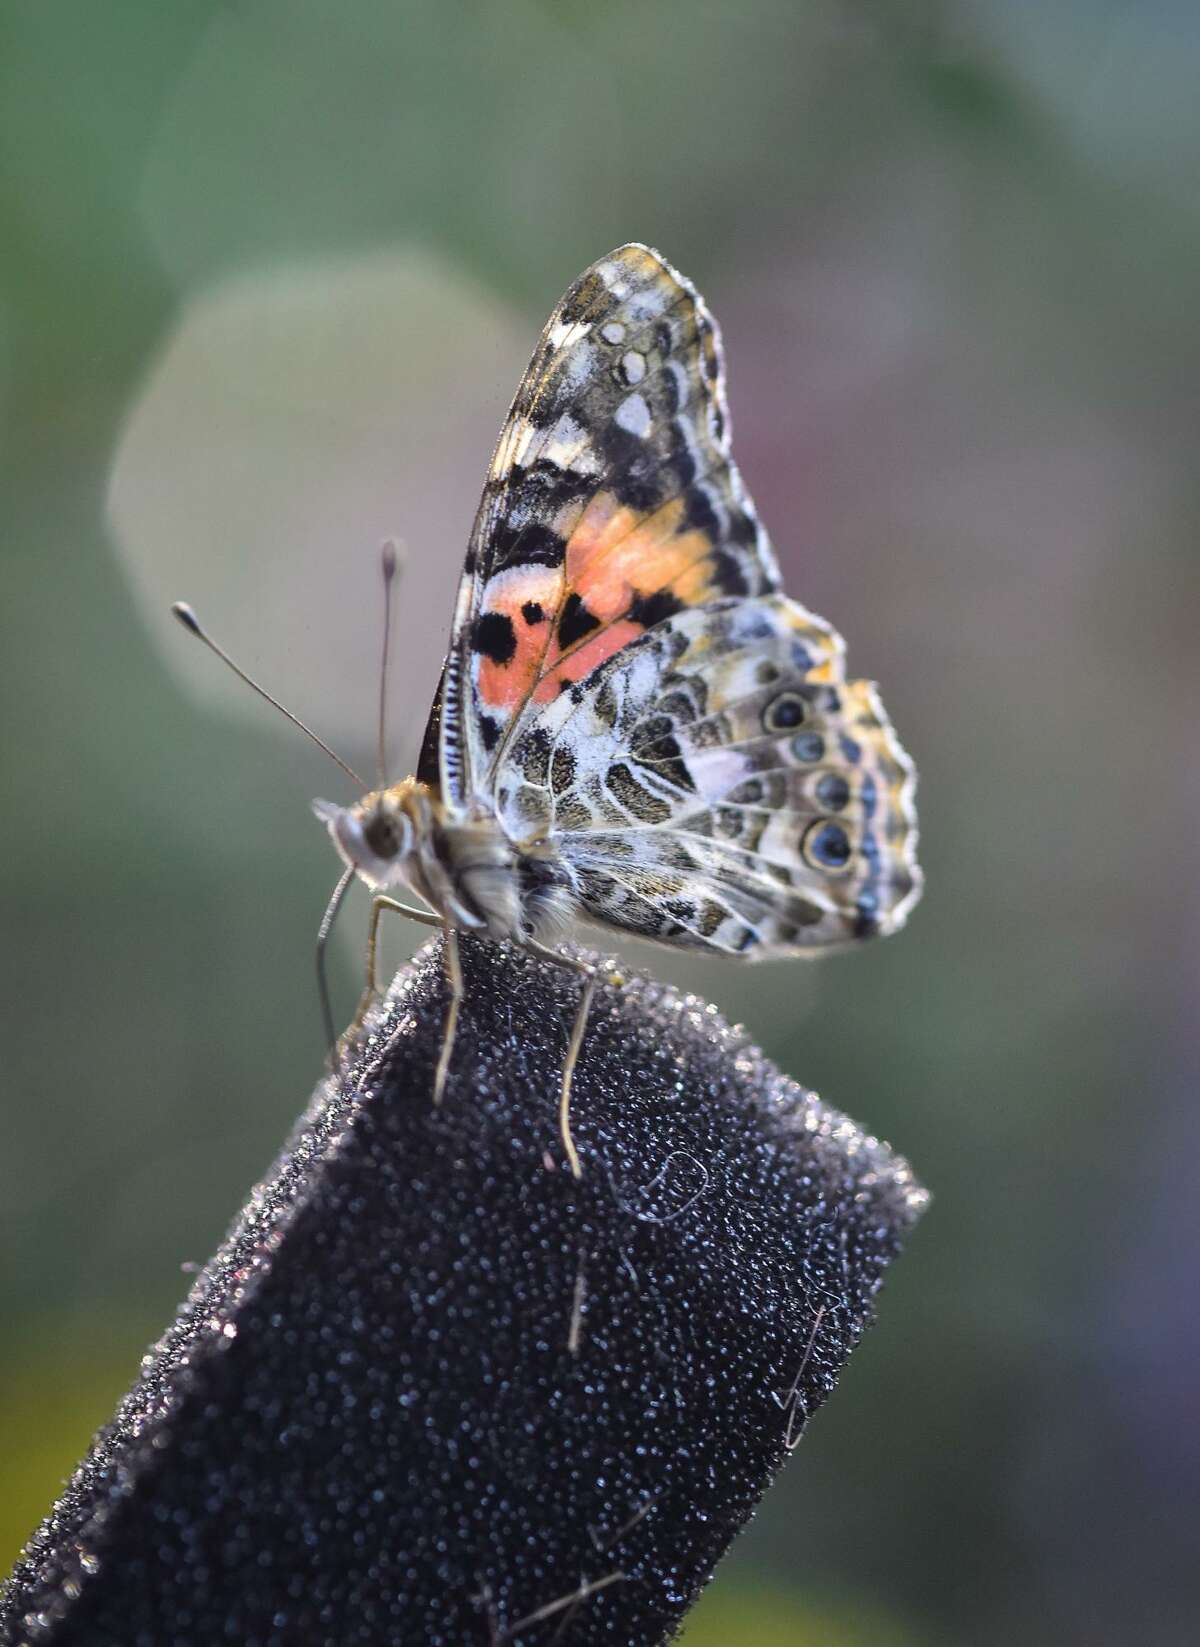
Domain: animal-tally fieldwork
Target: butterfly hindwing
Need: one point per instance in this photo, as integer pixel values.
(612, 502)
(720, 783)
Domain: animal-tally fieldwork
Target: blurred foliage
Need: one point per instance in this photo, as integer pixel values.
(70, 1373)
(955, 251)
(727, 1614)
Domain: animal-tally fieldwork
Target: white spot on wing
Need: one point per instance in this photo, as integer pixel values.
(613, 332)
(580, 364)
(634, 366)
(563, 442)
(633, 415)
(613, 276)
(564, 332)
(716, 771)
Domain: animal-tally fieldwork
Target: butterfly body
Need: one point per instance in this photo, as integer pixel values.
(465, 867)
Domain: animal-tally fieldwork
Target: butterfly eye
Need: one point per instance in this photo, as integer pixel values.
(826, 845)
(382, 835)
(785, 713)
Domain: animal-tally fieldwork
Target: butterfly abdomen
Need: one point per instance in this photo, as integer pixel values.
(549, 899)
(472, 870)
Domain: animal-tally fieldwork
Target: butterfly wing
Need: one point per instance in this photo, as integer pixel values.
(612, 502)
(719, 783)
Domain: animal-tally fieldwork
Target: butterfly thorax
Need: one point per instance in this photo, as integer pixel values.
(464, 867)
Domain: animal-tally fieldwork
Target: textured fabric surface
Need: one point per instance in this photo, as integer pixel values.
(432, 1390)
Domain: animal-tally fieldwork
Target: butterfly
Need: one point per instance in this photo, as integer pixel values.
(634, 724)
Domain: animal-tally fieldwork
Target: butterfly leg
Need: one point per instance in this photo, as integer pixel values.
(455, 978)
(379, 904)
(578, 1030)
(426, 917)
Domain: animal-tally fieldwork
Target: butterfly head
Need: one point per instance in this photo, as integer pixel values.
(376, 835)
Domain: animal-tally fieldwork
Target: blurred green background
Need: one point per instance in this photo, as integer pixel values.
(268, 272)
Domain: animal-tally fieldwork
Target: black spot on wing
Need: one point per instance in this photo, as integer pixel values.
(685, 705)
(708, 349)
(833, 792)
(742, 529)
(572, 813)
(749, 793)
(699, 514)
(604, 704)
(494, 637)
(532, 545)
(647, 733)
(575, 621)
(562, 769)
(682, 459)
(651, 609)
(728, 574)
(532, 612)
(638, 802)
(654, 745)
(532, 755)
(489, 731)
(542, 480)
(826, 845)
(634, 468)
(680, 909)
(783, 712)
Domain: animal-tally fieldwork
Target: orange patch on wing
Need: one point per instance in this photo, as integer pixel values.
(580, 663)
(507, 685)
(502, 686)
(615, 553)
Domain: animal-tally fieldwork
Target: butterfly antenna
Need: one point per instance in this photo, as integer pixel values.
(389, 560)
(191, 622)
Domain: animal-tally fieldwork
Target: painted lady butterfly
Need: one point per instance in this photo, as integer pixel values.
(634, 724)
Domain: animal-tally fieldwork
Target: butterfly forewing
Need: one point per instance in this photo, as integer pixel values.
(612, 501)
